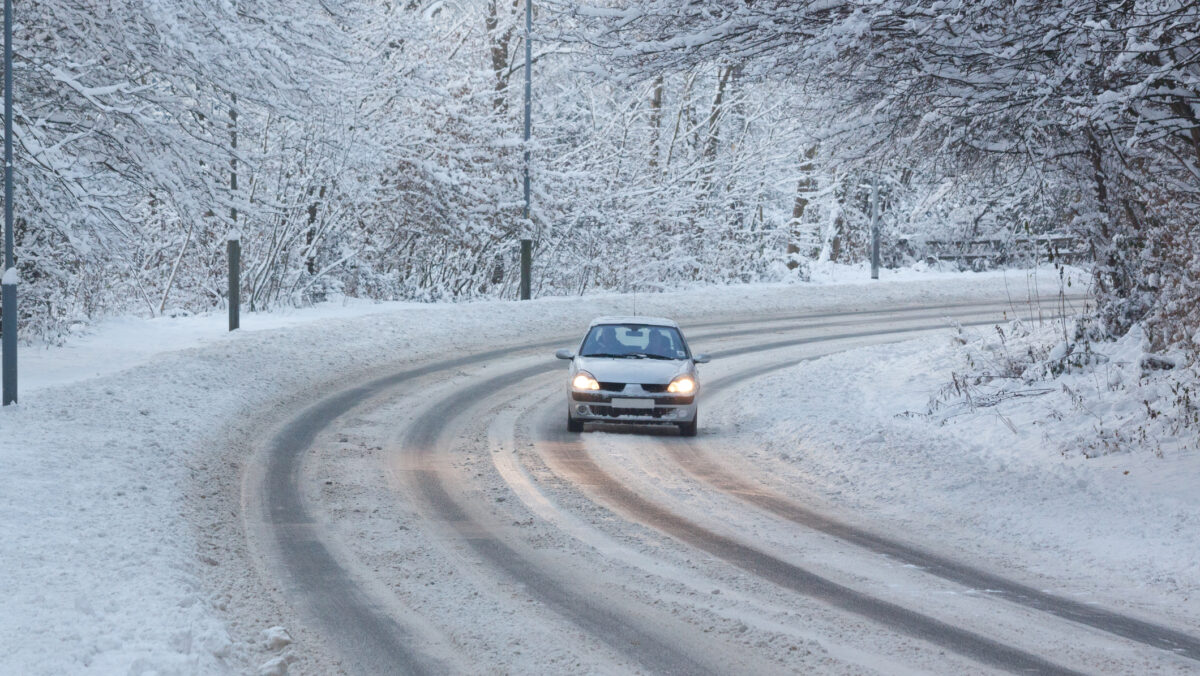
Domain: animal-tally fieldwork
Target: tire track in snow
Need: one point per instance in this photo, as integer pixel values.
(630, 635)
(566, 453)
(323, 590)
(704, 468)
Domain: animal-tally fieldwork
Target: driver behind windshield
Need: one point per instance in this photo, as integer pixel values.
(606, 341)
(660, 344)
(603, 341)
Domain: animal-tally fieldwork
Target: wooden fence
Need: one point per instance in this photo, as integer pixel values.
(989, 252)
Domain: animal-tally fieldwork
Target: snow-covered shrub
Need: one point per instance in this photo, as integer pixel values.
(1115, 395)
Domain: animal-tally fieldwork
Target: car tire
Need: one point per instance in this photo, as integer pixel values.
(574, 425)
(688, 429)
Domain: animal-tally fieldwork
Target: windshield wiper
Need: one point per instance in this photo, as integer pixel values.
(606, 355)
(648, 355)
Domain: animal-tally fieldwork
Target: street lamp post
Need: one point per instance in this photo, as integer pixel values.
(528, 92)
(875, 227)
(526, 241)
(8, 284)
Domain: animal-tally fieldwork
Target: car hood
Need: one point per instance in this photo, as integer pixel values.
(647, 371)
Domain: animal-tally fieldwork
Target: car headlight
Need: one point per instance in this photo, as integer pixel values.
(682, 385)
(584, 381)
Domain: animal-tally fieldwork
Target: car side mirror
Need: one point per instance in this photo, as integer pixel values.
(701, 358)
(564, 354)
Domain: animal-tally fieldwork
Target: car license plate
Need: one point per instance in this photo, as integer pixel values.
(647, 404)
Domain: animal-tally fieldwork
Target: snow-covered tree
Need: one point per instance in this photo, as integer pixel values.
(1082, 113)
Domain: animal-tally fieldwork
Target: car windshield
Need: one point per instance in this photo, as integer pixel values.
(632, 341)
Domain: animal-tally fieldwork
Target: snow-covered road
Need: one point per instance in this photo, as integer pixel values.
(365, 488)
(440, 519)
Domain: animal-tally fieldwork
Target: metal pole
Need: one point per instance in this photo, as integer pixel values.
(8, 295)
(234, 250)
(528, 95)
(526, 243)
(526, 264)
(875, 228)
(233, 215)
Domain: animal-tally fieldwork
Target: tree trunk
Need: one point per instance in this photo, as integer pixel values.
(500, 41)
(656, 103)
(805, 185)
(310, 262)
(714, 115)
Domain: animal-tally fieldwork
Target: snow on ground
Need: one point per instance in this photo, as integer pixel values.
(108, 550)
(1021, 468)
(117, 344)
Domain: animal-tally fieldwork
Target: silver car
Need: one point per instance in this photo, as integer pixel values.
(633, 370)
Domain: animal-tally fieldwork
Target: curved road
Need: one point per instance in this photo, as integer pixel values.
(441, 519)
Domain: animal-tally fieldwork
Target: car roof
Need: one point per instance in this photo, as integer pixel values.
(641, 321)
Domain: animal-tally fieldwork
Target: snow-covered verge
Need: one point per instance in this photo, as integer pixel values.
(117, 555)
(1084, 471)
(1089, 397)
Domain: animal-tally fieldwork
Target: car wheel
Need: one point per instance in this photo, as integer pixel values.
(574, 425)
(688, 429)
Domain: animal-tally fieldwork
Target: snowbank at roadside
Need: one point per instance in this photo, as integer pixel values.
(1090, 398)
(120, 343)
(106, 547)
(889, 436)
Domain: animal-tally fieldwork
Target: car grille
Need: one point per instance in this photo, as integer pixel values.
(620, 387)
(640, 412)
(602, 398)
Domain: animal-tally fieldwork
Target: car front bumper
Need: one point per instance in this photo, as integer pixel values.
(638, 408)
